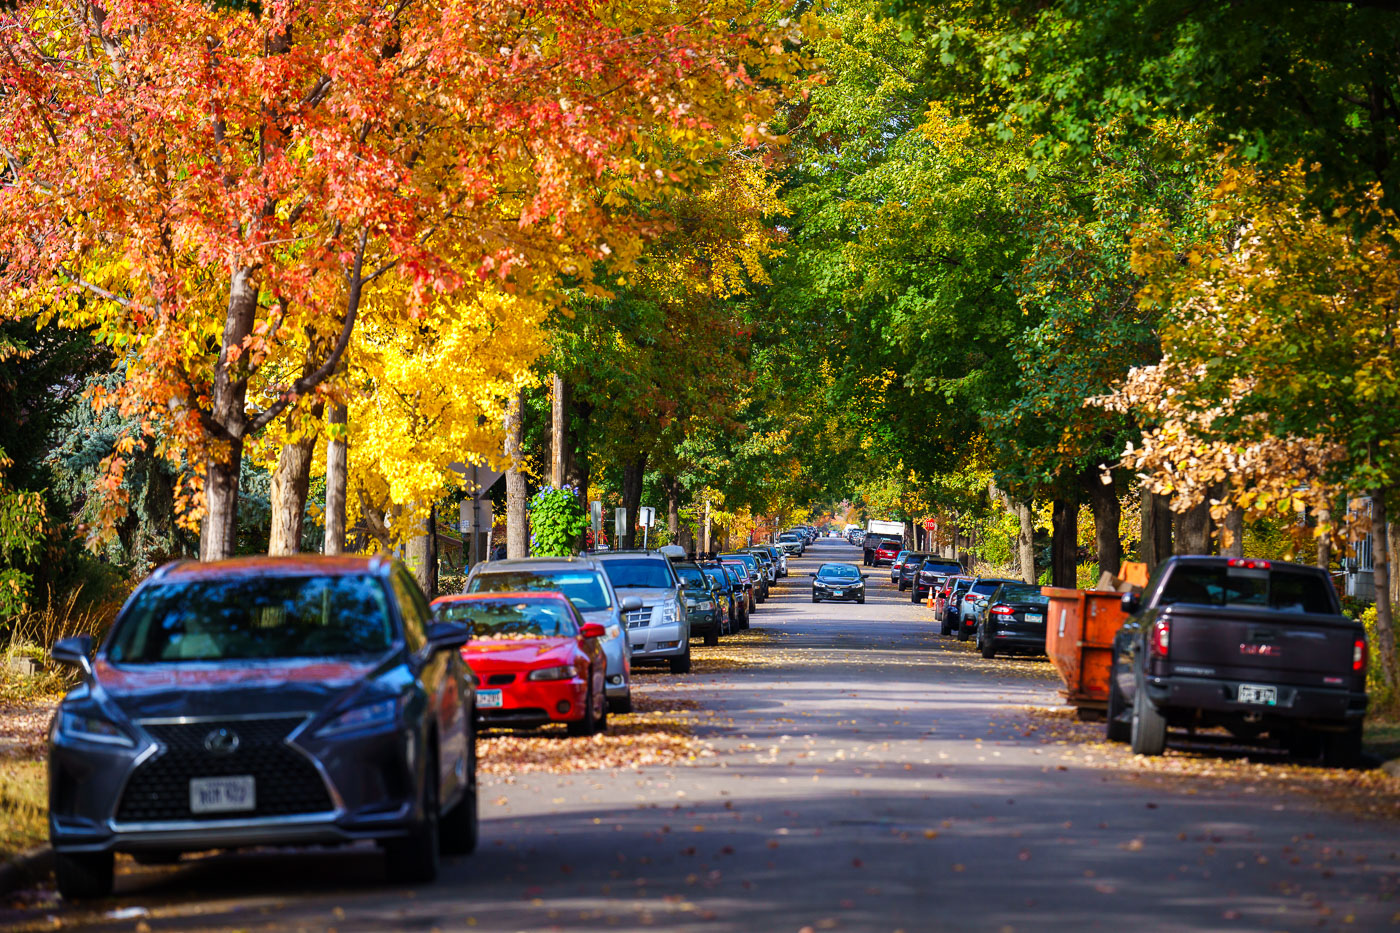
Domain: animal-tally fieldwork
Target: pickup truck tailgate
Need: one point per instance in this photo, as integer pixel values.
(1296, 649)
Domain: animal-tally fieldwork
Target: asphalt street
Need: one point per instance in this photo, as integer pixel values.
(868, 775)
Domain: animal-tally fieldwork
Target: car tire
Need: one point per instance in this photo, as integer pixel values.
(914, 597)
(1117, 729)
(815, 600)
(622, 705)
(987, 646)
(1148, 735)
(712, 638)
(861, 601)
(962, 631)
(681, 665)
(461, 826)
(83, 875)
(943, 628)
(588, 725)
(1342, 749)
(414, 858)
(902, 587)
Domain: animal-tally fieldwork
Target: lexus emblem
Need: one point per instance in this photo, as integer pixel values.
(221, 741)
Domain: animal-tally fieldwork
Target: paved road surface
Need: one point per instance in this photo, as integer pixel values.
(877, 780)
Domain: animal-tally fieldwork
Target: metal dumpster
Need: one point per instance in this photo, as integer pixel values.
(1079, 630)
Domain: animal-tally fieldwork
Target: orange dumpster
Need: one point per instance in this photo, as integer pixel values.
(1079, 630)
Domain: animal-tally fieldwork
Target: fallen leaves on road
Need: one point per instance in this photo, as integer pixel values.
(1219, 763)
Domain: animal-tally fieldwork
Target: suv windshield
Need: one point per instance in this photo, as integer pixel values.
(649, 573)
(1215, 585)
(511, 619)
(250, 618)
(583, 587)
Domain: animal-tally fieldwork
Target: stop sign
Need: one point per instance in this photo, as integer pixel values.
(930, 524)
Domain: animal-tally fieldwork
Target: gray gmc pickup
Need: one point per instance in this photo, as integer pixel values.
(1258, 647)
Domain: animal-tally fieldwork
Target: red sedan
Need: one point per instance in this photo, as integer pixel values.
(535, 659)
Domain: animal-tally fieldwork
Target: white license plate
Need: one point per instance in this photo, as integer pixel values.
(489, 699)
(1035, 617)
(1254, 693)
(222, 794)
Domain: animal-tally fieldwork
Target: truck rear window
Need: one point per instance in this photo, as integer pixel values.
(1281, 589)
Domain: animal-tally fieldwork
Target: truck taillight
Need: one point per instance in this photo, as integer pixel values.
(1358, 655)
(1161, 637)
(1248, 563)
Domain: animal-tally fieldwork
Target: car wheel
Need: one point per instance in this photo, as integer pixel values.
(962, 631)
(1149, 729)
(861, 601)
(622, 705)
(989, 647)
(681, 665)
(83, 875)
(461, 826)
(414, 858)
(589, 723)
(712, 638)
(914, 597)
(943, 628)
(1342, 749)
(902, 587)
(815, 600)
(1118, 728)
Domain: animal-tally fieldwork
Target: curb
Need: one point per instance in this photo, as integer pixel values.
(27, 868)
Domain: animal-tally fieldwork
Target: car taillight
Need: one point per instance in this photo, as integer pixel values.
(1358, 655)
(1002, 610)
(1248, 563)
(1161, 637)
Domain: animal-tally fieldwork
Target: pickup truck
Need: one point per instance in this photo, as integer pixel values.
(1255, 646)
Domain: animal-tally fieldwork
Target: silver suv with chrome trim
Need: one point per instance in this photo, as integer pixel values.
(660, 629)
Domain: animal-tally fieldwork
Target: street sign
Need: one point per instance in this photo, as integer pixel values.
(646, 517)
(930, 524)
(619, 525)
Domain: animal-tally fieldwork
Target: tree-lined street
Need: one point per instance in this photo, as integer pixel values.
(866, 775)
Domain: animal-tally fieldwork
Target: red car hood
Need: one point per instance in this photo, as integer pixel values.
(501, 653)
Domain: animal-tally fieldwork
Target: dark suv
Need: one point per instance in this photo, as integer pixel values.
(262, 702)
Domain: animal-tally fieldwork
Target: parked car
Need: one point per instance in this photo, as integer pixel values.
(1012, 620)
(756, 574)
(838, 581)
(731, 594)
(946, 598)
(932, 572)
(582, 580)
(660, 629)
(702, 603)
(742, 576)
(909, 571)
(765, 562)
(896, 565)
(1255, 646)
(792, 542)
(885, 552)
(967, 605)
(264, 702)
(780, 558)
(536, 660)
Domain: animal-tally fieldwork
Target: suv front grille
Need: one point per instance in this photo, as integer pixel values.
(285, 782)
(639, 618)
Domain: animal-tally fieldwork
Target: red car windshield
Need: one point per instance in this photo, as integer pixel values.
(512, 618)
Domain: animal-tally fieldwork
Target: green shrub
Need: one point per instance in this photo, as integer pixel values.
(1383, 697)
(557, 521)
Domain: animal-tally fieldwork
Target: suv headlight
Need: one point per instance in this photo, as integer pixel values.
(666, 613)
(704, 605)
(94, 729)
(371, 716)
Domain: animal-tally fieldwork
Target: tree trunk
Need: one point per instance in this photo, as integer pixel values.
(559, 440)
(290, 481)
(1064, 543)
(1025, 541)
(705, 532)
(517, 529)
(576, 472)
(218, 534)
(1324, 542)
(632, 475)
(422, 556)
(1234, 529)
(673, 507)
(1155, 544)
(1380, 561)
(337, 470)
(1108, 515)
(1193, 529)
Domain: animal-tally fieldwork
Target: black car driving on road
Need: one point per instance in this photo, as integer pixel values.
(843, 582)
(265, 702)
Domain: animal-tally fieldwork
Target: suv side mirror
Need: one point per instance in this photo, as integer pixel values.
(73, 651)
(1131, 603)
(631, 604)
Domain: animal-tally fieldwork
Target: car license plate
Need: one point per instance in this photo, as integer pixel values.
(222, 794)
(838, 592)
(489, 699)
(1254, 693)
(1035, 617)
